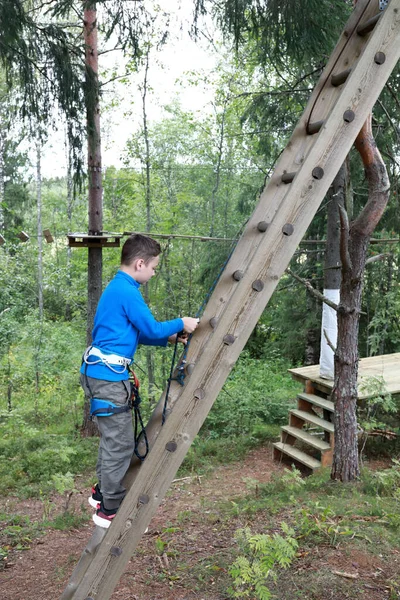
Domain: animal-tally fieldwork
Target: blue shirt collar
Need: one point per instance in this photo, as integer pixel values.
(128, 278)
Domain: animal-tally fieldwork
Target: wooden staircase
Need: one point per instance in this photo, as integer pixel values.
(309, 437)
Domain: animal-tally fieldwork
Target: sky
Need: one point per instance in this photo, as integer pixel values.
(167, 80)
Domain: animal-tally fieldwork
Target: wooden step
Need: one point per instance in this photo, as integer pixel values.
(302, 457)
(310, 418)
(318, 401)
(311, 440)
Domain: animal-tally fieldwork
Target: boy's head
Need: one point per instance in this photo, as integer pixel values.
(140, 256)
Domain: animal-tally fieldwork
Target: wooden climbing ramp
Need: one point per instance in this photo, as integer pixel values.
(358, 68)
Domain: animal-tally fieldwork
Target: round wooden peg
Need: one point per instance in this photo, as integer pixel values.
(380, 58)
(199, 394)
(287, 229)
(257, 285)
(171, 446)
(262, 226)
(238, 275)
(229, 339)
(116, 551)
(189, 368)
(349, 116)
(144, 499)
(213, 322)
(317, 173)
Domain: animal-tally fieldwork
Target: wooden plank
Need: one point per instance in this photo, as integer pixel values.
(307, 438)
(386, 367)
(318, 401)
(313, 419)
(235, 307)
(302, 457)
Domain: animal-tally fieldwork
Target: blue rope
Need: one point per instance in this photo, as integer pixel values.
(180, 376)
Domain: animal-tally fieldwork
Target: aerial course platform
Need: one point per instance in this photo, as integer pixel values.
(362, 61)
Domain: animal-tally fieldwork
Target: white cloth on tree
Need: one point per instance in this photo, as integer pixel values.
(329, 325)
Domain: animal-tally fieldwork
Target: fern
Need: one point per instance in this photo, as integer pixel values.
(262, 555)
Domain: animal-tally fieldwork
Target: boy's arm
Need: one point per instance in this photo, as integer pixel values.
(151, 342)
(151, 331)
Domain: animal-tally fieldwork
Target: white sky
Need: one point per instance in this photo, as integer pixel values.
(167, 67)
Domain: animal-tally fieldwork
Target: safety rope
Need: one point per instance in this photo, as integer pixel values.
(180, 368)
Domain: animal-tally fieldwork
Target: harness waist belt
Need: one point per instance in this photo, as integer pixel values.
(111, 359)
(106, 408)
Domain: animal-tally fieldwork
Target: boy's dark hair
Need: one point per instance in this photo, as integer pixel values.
(139, 246)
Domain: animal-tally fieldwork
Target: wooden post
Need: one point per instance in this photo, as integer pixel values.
(235, 306)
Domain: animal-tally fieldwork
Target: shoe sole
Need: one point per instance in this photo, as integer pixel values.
(104, 523)
(94, 503)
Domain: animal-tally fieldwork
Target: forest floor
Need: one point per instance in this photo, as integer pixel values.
(190, 544)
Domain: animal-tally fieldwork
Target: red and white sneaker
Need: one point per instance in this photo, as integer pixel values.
(96, 496)
(103, 517)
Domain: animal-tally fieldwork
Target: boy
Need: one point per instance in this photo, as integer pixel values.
(122, 321)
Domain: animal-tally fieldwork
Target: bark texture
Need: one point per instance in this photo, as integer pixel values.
(94, 163)
(353, 250)
(95, 199)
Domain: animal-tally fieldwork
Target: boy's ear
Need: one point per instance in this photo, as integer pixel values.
(138, 264)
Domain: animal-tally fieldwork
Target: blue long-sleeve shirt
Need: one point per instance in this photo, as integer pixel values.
(122, 321)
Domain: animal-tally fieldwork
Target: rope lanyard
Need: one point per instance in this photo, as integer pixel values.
(136, 401)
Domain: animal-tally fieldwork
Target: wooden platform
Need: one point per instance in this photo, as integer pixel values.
(385, 367)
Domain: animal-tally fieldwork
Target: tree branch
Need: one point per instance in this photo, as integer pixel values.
(344, 239)
(378, 181)
(312, 290)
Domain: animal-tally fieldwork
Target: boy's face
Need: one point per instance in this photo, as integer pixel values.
(145, 271)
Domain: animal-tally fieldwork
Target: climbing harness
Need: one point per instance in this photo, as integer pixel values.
(109, 360)
(106, 408)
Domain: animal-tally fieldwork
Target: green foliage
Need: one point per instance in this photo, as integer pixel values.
(385, 482)
(261, 556)
(257, 392)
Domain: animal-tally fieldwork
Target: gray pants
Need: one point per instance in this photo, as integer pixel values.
(117, 440)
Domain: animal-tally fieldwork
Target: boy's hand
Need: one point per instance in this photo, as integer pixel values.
(182, 337)
(190, 324)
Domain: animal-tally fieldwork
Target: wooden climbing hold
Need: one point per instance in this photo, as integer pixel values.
(199, 394)
(171, 446)
(318, 173)
(315, 127)
(189, 368)
(238, 275)
(287, 229)
(262, 226)
(288, 177)
(257, 285)
(340, 78)
(229, 339)
(213, 322)
(144, 499)
(349, 116)
(380, 58)
(368, 26)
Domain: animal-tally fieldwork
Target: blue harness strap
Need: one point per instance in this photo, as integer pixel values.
(105, 408)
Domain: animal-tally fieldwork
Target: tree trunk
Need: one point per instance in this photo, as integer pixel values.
(70, 198)
(353, 248)
(94, 163)
(332, 274)
(2, 181)
(39, 227)
(149, 351)
(95, 199)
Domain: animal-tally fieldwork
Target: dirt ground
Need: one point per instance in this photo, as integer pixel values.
(182, 557)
